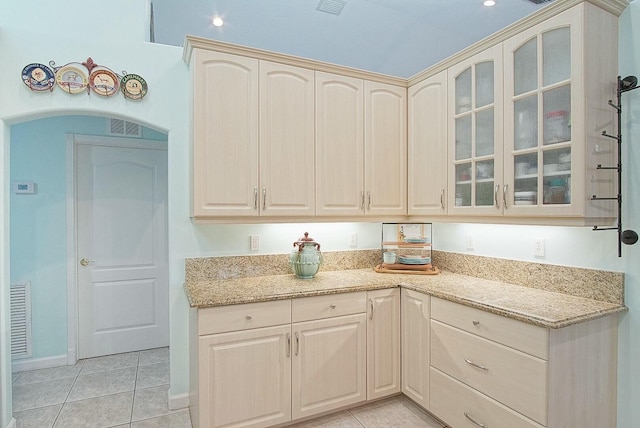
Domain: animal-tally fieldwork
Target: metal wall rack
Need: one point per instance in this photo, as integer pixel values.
(628, 237)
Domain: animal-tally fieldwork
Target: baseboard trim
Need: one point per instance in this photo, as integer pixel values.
(177, 402)
(38, 363)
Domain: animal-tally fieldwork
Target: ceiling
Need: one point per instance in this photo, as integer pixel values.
(394, 37)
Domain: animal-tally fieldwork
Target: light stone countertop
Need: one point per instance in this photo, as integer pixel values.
(534, 306)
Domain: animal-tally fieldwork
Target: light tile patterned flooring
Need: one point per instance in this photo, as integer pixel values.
(130, 391)
(394, 412)
(124, 391)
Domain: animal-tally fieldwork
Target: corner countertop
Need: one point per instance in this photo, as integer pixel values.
(534, 306)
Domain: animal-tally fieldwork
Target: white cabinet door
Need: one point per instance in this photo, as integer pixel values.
(475, 135)
(415, 346)
(360, 147)
(329, 364)
(245, 378)
(225, 135)
(385, 136)
(383, 343)
(559, 76)
(287, 137)
(427, 146)
(339, 145)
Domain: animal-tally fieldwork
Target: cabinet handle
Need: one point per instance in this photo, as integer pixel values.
(297, 343)
(362, 200)
(504, 195)
(248, 317)
(475, 322)
(478, 366)
(264, 198)
(288, 344)
(495, 196)
(442, 198)
(255, 198)
(368, 200)
(474, 421)
(371, 306)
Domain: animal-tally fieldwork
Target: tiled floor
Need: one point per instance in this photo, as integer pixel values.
(130, 391)
(394, 412)
(124, 391)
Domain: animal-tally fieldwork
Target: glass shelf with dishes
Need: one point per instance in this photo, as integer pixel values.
(406, 246)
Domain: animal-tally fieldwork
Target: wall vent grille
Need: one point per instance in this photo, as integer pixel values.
(20, 302)
(333, 7)
(123, 128)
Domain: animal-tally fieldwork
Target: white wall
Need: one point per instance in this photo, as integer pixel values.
(30, 33)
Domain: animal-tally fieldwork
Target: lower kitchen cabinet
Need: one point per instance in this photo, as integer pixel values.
(415, 346)
(383, 343)
(488, 370)
(271, 363)
(249, 375)
(329, 364)
(263, 364)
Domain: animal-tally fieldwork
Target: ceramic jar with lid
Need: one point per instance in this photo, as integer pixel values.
(305, 257)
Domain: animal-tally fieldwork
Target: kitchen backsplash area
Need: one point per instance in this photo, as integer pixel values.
(593, 284)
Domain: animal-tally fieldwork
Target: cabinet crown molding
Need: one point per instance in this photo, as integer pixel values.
(195, 42)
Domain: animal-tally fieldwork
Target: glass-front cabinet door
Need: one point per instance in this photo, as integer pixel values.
(542, 118)
(475, 134)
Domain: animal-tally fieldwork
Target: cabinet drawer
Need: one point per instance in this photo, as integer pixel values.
(516, 334)
(457, 404)
(513, 378)
(243, 317)
(332, 305)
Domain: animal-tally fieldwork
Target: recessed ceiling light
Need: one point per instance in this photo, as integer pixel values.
(489, 3)
(217, 21)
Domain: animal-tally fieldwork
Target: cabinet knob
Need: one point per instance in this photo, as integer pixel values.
(475, 322)
(248, 317)
(332, 306)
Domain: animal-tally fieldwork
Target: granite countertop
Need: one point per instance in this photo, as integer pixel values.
(534, 306)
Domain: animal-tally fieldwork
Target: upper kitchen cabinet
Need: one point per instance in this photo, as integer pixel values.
(339, 145)
(360, 147)
(475, 134)
(427, 146)
(225, 135)
(558, 77)
(385, 150)
(287, 137)
(253, 137)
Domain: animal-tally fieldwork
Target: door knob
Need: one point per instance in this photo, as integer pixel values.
(85, 262)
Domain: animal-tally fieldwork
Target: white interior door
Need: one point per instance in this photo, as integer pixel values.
(122, 274)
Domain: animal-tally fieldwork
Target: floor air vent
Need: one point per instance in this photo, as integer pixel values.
(20, 302)
(333, 7)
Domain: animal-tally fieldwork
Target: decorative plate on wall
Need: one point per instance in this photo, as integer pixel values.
(103, 81)
(133, 86)
(72, 78)
(38, 77)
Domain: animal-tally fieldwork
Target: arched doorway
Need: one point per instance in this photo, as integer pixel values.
(42, 223)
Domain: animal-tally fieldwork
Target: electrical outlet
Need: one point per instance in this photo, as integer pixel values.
(538, 247)
(471, 243)
(255, 242)
(353, 240)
